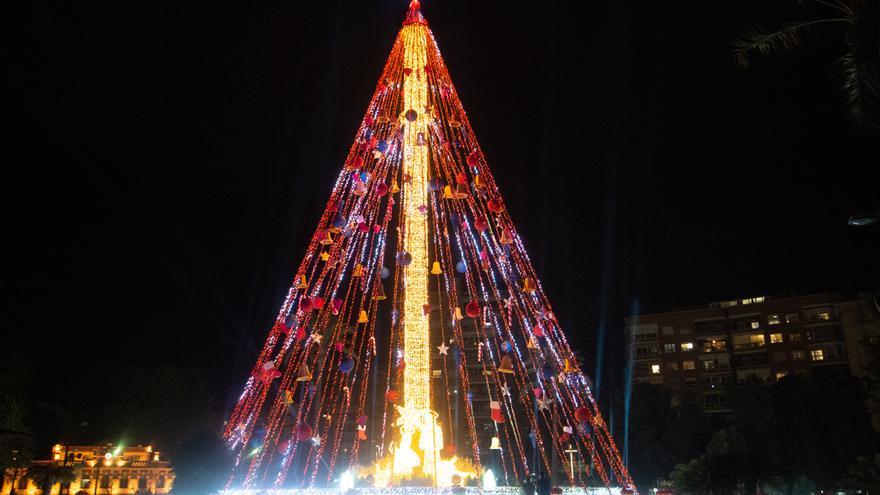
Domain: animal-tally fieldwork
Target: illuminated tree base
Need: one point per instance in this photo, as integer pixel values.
(414, 490)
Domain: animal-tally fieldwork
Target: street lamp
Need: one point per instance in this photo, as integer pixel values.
(863, 219)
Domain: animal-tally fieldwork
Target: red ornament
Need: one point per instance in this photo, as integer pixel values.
(495, 206)
(368, 120)
(480, 223)
(392, 396)
(381, 189)
(283, 446)
(472, 309)
(300, 334)
(411, 115)
(363, 227)
(303, 432)
(362, 420)
(317, 302)
(473, 159)
(426, 309)
(582, 414)
(407, 71)
(461, 178)
(305, 304)
(337, 305)
(376, 228)
(357, 162)
(449, 449)
(538, 330)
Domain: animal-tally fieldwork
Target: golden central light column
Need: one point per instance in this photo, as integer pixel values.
(416, 413)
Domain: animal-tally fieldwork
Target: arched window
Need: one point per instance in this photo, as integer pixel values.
(160, 483)
(142, 483)
(105, 481)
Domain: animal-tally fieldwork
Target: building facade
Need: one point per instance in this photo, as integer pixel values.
(703, 349)
(100, 470)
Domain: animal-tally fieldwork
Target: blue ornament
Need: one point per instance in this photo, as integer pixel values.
(585, 428)
(548, 372)
(347, 364)
(382, 146)
(470, 396)
(460, 267)
(364, 177)
(384, 272)
(506, 347)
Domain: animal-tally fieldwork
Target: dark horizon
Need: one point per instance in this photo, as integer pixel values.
(169, 164)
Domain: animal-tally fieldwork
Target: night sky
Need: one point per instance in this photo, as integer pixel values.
(168, 163)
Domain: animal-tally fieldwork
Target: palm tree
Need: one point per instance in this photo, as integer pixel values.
(856, 23)
(48, 475)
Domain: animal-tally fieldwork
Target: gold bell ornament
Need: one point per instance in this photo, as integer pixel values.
(505, 237)
(379, 295)
(358, 270)
(362, 318)
(302, 283)
(528, 286)
(478, 184)
(532, 343)
(395, 188)
(303, 374)
(447, 192)
(458, 315)
(461, 192)
(506, 365)
(326, 241)
(496, 444)
(435, 268)
(568, 367)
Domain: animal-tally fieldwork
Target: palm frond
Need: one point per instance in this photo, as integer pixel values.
(790, 35)
(861, 87)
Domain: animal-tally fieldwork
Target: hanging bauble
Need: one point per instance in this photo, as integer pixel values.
(327, 240)
(495, 206)
(365, 177)
(495, 444)
(404, 258)
(457, 314)
(434, 184)
(528, 286)
(347, 364)
(548, 372)
(582, 414)
(395, 187)
(368, 120)
(382, 146)
(473, 159)
(480, 223)
(362, 420)
(356, 163)
(585, 429)
(302, 283)
(305, 304)
(461, 192)
(392, 396)
(283, 446)
(382, 188)
(411, 115)
(303, 432)
(449, 451)
(460, 267)
(317, 302)
(338, 223)
(300, 334)
(538, 330)
(407, 71)
(362, 317)
(363, 227)
(447, 192)
(435, 268)
(472, 309)
(506, 346)
(379, 294)
(384, 273)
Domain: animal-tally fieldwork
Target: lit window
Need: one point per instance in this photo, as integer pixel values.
(688, 365)
(791, 318)
(795, 337)
(774, 320)
(655, 369)
(775, 338)
(824, 316)
(780, 375)
(817, 355)
(797, 355)
(756, 324)
(668, 348)
(710, 364)
(673, 366)
(687, 346)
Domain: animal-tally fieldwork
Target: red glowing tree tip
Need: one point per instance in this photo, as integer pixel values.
(414, 14)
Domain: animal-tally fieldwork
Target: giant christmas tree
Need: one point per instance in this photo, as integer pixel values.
(414, 279)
